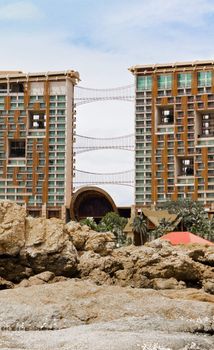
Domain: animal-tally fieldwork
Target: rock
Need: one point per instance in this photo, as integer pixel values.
(171, 283)
(102, 243)
(209, 286)
(100, 277)
(77, 233)
(90, 261)
(12, 228)
(4, 284)
(33, 246)
(41, 278)
(23, 284)
(46, 276)
(84, 238)
(47, 247)
(164, 267)
(208, 258)
(57, 279)
(158, 244)
(81, 315)
(197, 253)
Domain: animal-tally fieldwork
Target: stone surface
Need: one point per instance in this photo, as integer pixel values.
(171, 283)
(12, 228)
(4, 284)
(30, 246)
(209, 286)
(152, 266)
(41, 278)
(83, 239)
(47, 247)
(78, 234)
(102, 243)
(105, 317)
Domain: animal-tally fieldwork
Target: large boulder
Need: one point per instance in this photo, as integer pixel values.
(84, 238)
(47, 247)
(102, 243)
(12, 228)
(78, 234)
(155, 265)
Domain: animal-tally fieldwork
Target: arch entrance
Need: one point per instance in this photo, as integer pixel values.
(91, 202)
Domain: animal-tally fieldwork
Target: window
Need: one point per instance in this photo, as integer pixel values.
(186, 167)
(184, 80)
(165, 81)
(205, 78)
(37, 120)
(165, 115)
(35, 213)
(3, 87)
(205, 124)
(144, 83)
(53, 213)
(17, 87)
(17, 149)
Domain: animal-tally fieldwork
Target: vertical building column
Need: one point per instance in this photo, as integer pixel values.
(63, 213)
(194, 82)
(154, 140)
(165, 164)
(26, 94)
(175, 84)
(185, 124)
(44, 211)
(204, 173)
(69, 135)
(46, 143)
(212, 88)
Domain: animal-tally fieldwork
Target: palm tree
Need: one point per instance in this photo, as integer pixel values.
(140, 227)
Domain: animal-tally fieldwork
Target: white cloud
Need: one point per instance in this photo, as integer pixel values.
(159, 12)
(19, 11)
(133, 27)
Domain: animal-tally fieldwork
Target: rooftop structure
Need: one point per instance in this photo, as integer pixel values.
(174, 132)
(36, 140)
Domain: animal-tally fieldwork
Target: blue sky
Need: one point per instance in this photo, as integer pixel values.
(101, 39)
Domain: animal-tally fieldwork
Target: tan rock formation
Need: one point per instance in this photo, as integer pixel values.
(83, 238)
(47, 247)
(12, 228)
(4, 284)
(102, 243)
(30, 246)
(80, 315)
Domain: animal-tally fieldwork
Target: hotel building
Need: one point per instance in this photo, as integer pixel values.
(36, 140)
(174, 128)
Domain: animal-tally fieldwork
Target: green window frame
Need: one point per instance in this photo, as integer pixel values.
(204, 78)
(165, 81)
(184, 80)
(144, 82)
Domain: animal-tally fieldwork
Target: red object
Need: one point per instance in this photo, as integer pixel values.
(184, 238)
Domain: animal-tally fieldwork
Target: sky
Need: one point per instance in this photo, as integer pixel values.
(101, 39)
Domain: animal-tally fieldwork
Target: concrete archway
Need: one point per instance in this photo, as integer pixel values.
(91, 202)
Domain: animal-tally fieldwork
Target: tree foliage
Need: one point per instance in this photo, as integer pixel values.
(110, 222)
(193, 216)
(114, 223)
(90, 222)
(140, 227)
(163, 228)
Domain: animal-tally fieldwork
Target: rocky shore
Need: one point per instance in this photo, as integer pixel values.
(68, 282)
